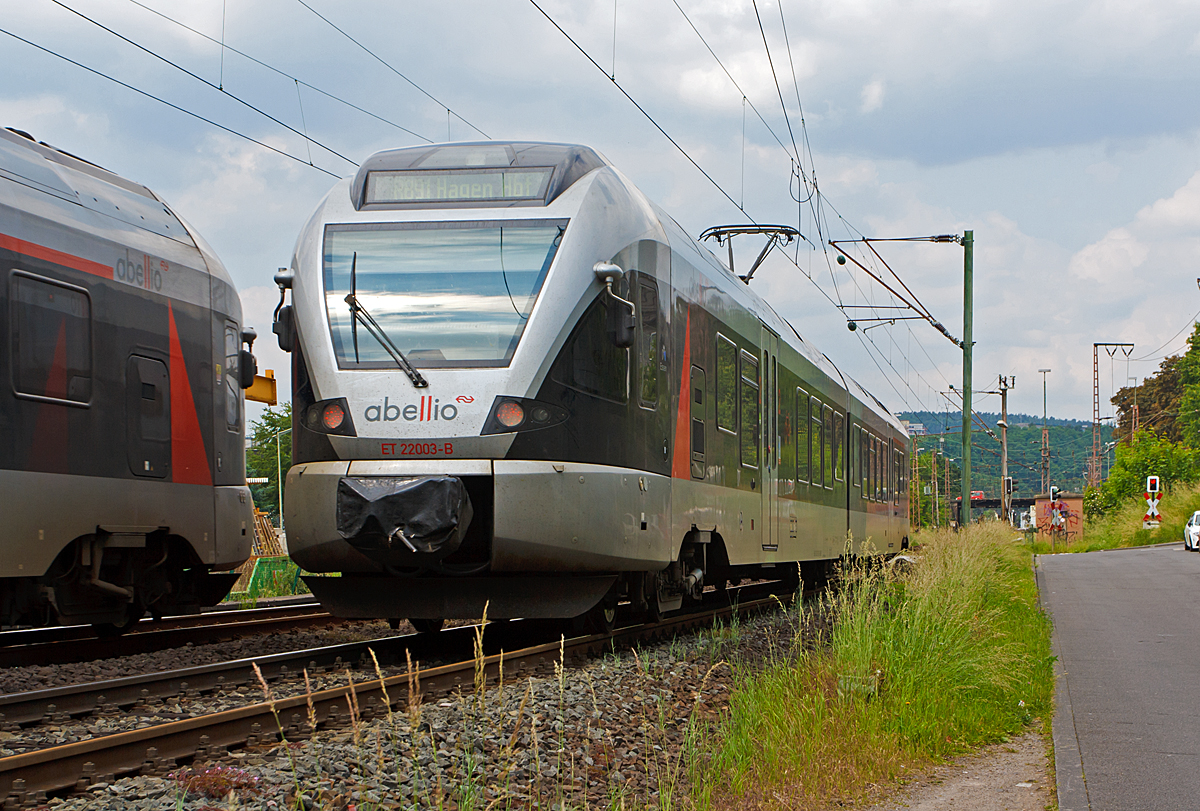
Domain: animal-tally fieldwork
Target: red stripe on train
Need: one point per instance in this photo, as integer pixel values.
(36, 251)
(681, 467)
(189, 461)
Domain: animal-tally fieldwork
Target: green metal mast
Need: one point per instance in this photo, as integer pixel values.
(968, 242)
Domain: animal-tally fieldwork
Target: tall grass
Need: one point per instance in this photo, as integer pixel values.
(919, 666)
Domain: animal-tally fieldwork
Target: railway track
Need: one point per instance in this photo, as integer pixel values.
(75, 643)
(157, 749)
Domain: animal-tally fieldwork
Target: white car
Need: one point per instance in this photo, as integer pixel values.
(1191, 532)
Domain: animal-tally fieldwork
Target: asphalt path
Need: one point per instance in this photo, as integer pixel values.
(1127, 717)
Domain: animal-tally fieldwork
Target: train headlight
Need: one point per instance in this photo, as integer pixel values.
(329, 417)
(333, 416)
(510, 414)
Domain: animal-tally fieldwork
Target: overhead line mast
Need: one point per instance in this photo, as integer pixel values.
(1093, 478)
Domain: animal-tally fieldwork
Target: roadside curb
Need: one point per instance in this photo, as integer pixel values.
(1068, 761)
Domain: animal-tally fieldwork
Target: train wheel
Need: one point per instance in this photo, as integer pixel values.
(133, 612)
(426, 626)
(603, 618)
(599, 619)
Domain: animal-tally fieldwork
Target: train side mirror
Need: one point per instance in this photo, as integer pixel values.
(247, 364)
(284, 328)
(620, 321)
(284, 323)
(247, 369)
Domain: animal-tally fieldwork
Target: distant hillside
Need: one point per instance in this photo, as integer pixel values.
(939, 421)
(1070, 449)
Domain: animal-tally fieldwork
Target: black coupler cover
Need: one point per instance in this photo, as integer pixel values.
(393, 520)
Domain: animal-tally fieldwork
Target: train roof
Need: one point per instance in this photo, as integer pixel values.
(71, 179)
(63, 175)
(471, 175)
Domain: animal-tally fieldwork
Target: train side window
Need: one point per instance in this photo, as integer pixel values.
(590, 362)
(648, 350)
(51, 339)
(839, 444)
(871, 470)
(888, 469)
(878, 469)
(749, 406)
(726, 384)
(899, 488)
(802, 447)
(864, 463)
(856, 456)
(233, 391)
(816, 443)
(827, 413)
(876, 484)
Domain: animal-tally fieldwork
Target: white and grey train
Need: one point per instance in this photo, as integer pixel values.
(518, 382)
(122, 451)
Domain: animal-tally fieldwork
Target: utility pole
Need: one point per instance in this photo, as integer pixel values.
(1133, 425)
(968, 242)
(915, 485)
(934, 502)
(1005, 497)
(949, 510)
(1094, 463)
(1045, 438)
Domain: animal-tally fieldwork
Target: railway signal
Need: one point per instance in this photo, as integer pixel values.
(1153, 496)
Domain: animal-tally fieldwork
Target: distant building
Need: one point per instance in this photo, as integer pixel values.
(914, 428)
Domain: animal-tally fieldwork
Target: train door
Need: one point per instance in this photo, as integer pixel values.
(148, 416)
(699, 423)
(772, 509)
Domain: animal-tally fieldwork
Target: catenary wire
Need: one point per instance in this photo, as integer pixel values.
(643, 111)
(1151, 356)
(383, 62)
(314, 88)
(818, 214)
(732, 80)
(202, 80)
(169, 104)
(775, 77)
(800, 107)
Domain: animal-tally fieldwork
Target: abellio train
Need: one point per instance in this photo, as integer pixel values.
(122, 450)
(519, 383)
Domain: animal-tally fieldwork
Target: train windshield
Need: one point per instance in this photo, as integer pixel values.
(445, 294)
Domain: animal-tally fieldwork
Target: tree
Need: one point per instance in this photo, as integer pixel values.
(1150, 454)
(262, 461)
(1159, 399)
(1189, 403)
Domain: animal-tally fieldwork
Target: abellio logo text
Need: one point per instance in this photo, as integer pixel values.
(430, 409)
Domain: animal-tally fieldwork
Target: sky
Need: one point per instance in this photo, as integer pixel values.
(1065, 134)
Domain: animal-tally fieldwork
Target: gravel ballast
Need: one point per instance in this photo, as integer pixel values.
(620, 726)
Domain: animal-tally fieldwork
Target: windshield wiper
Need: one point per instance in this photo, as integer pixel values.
(359, 313)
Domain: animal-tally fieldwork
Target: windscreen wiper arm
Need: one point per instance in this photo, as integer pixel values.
(359, 314)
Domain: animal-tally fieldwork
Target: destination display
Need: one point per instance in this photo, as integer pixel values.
(457, 185)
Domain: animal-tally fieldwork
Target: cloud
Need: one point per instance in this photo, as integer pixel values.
(872, 96)
(1178, 214)
(922, 116)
